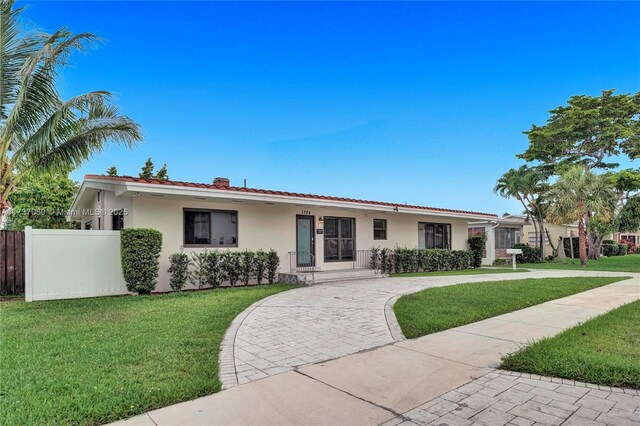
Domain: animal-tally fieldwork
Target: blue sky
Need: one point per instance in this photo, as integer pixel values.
(422, 103)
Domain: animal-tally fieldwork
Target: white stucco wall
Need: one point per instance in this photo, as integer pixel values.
(262, 226)
(99, 212)
(555, 232)
(490, 245)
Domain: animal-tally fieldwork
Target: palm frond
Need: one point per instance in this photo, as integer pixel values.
(91, 137)
(15, 48)
(38, 96)
(40, 132)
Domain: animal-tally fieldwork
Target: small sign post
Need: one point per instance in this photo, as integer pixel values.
(513, 253)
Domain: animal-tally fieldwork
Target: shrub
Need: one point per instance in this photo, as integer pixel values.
(139, 253)
(631, 247)
(477, 244)
(261, 265)
(198, 276)
(529, 254)
(374, 260)
(247, 266)
(386, 261)
(622, 249)
(232, 266)
(610, 249)
(403, 260)
(179, 270)
(214, 270)
(273, 262)
(567, 242)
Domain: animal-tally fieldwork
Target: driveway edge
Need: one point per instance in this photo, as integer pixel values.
(392, 321)
(226, 360)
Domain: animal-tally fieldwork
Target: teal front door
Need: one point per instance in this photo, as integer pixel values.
(305, 246)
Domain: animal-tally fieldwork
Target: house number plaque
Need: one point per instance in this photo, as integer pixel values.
(307, 212)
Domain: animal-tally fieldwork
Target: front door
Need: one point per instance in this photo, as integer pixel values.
(305, 246)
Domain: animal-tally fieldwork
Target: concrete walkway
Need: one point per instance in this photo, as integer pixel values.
(444, 378)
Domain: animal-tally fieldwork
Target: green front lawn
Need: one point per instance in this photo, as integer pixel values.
(604, 351)
(628, 263)
(478, 271)
(440, 308)
(91, 361)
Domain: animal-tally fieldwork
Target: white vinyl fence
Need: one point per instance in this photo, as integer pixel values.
(68, 264)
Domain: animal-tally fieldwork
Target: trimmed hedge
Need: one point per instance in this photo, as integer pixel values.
(403, 260)
(210, 268)
(614, 249)
(567, 242)
(139, 254)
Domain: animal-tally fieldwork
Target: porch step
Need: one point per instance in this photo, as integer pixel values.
(307, 278)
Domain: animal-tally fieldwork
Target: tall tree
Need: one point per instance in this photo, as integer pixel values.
(112, 171)
(588, 131)
(527, 185)
(42, 201)
(577, 193)
(629, 217)
(40, 132)
(162, 174)
(626, 183)
(146, 172)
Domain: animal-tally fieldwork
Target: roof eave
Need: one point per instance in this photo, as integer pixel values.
(133, 188)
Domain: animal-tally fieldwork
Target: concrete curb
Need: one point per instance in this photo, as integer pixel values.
(392, 321)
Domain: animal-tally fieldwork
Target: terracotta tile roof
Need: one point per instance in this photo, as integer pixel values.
(281, 193)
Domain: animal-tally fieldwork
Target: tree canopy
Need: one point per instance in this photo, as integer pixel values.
(42, 201)
(146, 172)
(629, 218)
(577, 195)
(588, 131)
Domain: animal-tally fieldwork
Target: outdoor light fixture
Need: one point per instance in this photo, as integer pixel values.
(320, 220)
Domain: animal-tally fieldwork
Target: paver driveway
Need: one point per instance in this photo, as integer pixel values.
(327, 321)
(445, 378)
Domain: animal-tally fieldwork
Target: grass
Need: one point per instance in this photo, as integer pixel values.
(92, 361)
(628, 263)
(604, 351)
(440, 308)
(478, 271)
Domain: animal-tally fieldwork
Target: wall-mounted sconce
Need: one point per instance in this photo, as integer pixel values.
(320, 220)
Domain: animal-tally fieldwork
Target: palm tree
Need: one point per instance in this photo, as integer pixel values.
(527, 185)
(575, 195)
(39, 132)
